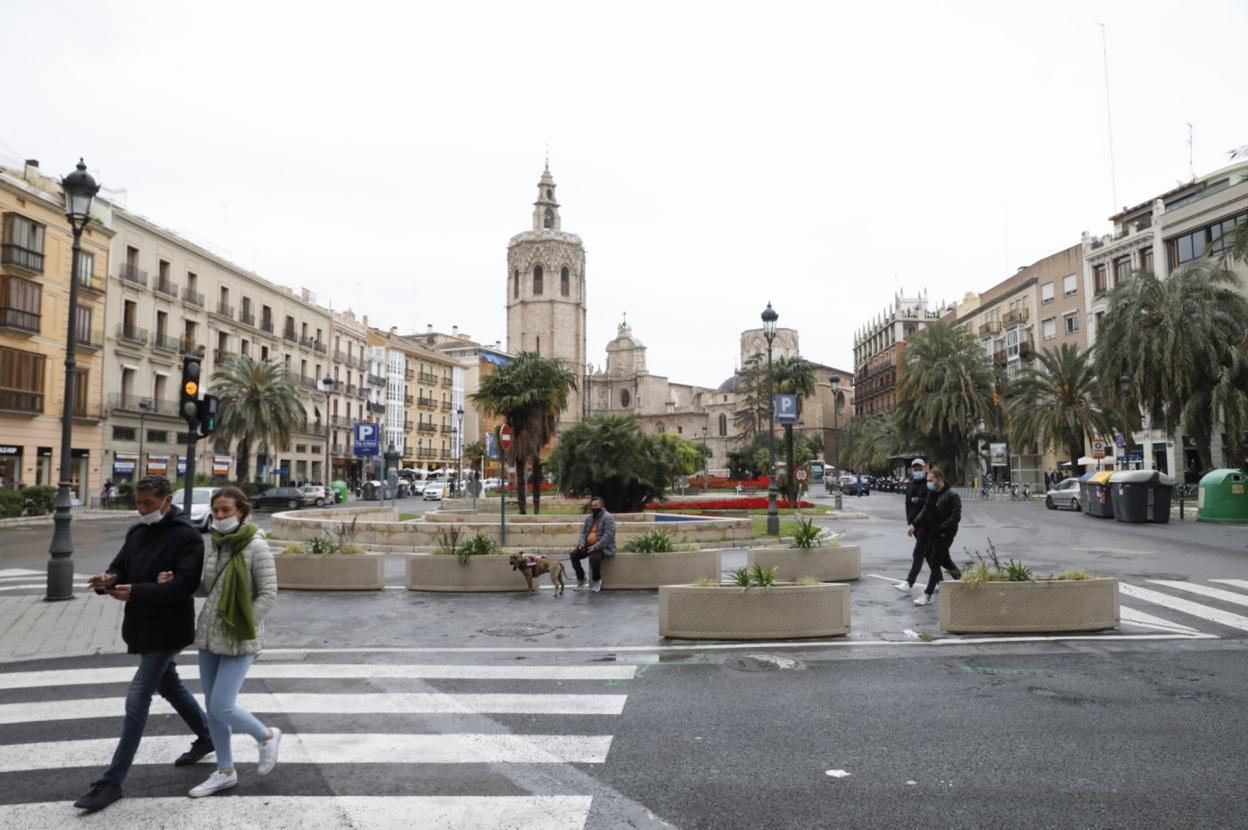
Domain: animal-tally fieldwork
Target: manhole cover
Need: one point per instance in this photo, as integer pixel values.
(518, 630)
(761, 662)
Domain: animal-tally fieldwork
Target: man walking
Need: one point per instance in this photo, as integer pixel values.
(159, 622)
(916, 497)
(937, 523)
(596, 543)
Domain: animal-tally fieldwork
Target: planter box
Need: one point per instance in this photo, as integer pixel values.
(1041, 607)
(633, 571)
(843, 564)
(718, 612)
(439, 572)
(330, 572)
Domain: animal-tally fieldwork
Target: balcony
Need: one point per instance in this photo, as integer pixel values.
(428, 377)
(1025, 350)
(193, 297)
(319, 347)
(306, 382)
(408, 399)
(307, 342)
(24, 258)
(190, 348)
(87, 342)
(290, 335)
(164, 286)
(130, 403)
(247, 318)
(423, 453)
(376, 380)
(429, 403)
(132, 274)
(340, 449)
(991, 327)
(409, 374)
(1016, 317)
(341, 357)
(407, 427)
(447, 430)
(30, 403)
(90, 288)
(223, 354)
(446, 406)
(266, 325)
(426, 427)
(342, 421)
(377, 408)
(164, 342)
(225, 310)
(132, 334)
(15, 318)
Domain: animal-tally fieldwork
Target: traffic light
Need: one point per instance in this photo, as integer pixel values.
(208, 415)
(188, 403)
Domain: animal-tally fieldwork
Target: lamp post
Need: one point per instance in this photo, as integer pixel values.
(459, 453)
(328, 383)
(836, 421)
(706, 462)
(1124, 387)
(773, 518)
(79, 189)
(141, 471)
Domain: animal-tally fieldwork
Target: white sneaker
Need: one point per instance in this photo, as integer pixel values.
(268, 752)
(216, 782)
(596, 586)
(923, 600)
(904, 587)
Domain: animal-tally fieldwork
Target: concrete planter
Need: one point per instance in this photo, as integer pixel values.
(722, 612)
(330, 572)
(439, 572)
(442, 572)
(841, 564)
(1041, 607)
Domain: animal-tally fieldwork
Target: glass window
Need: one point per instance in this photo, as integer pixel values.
(82, 388)
(564, 281)
(21, 380)
(1072, 322)
(86, 267)
(82, 326)
(1046, 293)
(1100, 281)
(1049, 328)
(537, 280)
(723, 423)
(1069, 285)
(1146, 259)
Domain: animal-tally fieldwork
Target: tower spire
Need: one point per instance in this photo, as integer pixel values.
(546, 209)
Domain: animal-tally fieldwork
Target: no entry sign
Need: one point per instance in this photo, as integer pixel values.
(504, 437)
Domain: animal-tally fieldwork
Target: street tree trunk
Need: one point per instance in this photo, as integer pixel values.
(520, 470)
(537, 485)
(242, 467)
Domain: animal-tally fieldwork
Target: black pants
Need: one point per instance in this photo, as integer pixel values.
(595, 563)
(935, 552)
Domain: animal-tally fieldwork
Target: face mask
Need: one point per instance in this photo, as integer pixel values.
(931, 488)
(597, 511)
(225, 525)
(919, 475)
(151, 518)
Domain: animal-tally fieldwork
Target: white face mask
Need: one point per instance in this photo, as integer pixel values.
(225, 525)
(151, 518)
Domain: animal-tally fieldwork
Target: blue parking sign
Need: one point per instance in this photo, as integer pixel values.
(786, 408)
(367, 439)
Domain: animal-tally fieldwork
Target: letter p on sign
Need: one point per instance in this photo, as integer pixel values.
(786, 408)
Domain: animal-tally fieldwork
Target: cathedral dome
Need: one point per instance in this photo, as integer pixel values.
(624, 340)
(729, 385)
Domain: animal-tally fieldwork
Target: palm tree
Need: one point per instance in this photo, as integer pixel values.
(610, 456)
(1056, 404)
(793, 376)
(260, 404)
(870, 442)
(474, 454)
(528, 393)
(945, 395)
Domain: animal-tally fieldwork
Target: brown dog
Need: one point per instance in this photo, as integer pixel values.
(534, 566)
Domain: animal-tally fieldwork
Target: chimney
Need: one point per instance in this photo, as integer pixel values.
(454, 331)
(31, 170)
(428, 328)
(394, 330)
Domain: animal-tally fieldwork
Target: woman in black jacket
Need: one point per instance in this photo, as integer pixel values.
(937, 524)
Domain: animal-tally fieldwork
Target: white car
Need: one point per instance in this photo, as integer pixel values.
(314, 494)
(433, 491)
(1065, 494)
(201, 505)
(416, 488)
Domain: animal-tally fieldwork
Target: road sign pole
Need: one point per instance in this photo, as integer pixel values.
(502, 487)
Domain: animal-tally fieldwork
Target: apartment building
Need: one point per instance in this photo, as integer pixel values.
(168, 299)
(879, 348)
(424, 392)
(478, 361)
(35, 272)
(348, 392)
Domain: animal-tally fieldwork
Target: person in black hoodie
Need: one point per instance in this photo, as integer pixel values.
(936, 525)
(159, 622)
(916, 497)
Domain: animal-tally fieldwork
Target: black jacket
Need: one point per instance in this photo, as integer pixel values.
(940, 515)
(916, 497)
(160, 617)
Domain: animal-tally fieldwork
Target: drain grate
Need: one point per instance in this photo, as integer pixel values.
(762, 662)
(518, 630)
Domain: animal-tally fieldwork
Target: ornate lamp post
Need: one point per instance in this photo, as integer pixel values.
(459, 453)
(773, 518)
(79, 189)
(328, 383)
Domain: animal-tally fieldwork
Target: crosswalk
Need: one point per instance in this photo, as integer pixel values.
(28, 582)
(1172, 607)
(387, 744)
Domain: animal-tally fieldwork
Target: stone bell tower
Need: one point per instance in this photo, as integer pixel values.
(546, 293)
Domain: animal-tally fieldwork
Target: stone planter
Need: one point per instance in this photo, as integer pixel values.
(841, 564)
(330, 572)
(442, 572)
(631, 571)
(1041, 607)
(723, 612)
(439, 572)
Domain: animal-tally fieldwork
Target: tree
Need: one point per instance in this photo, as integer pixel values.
(260, 404)
(1056, 403)
(945, 395)
(474, 454)
(792, 376)
(528, 393)
(610, 456)
(870, 442)
(752, 392)
(685, 456)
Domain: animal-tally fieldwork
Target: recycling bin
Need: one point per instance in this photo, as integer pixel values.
(1141, 496)
(372, 490)
(1097, 500)
(1223, 497)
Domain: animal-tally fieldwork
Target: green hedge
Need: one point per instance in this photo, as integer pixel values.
(29, 501)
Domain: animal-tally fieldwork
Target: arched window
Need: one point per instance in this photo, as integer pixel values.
(723, 424)
(659, 428)
(549, 221)
(625, 398)
(515, 283)
(550, 194)
(537, 280)
(564, 281)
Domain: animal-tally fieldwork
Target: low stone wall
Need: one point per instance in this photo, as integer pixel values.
(723, 612)
(332, 572)
(840, 564)
(624, 571)
(1040, 607)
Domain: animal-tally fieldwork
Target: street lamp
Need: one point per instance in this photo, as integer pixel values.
(79, 189)
(769, 331)
(144, 405)
(459, 455)
(328, 383)
(837, 400)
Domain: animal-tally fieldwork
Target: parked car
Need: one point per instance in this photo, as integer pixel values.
(279, 498)
(849, 486)
(201, 505)
(434, 491)
(416, 488)
(314, 494)
(1065, 494)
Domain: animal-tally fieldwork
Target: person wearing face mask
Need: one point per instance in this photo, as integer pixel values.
(938, 523)
(916, 497)
(597, 542)
(240, 583)
(158, 622)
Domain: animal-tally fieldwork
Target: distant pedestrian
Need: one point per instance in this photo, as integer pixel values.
(937, 523)
(159, 622)
(240, 582)
(916, 497)
(597, 542)
(105, 492)
(861, 483)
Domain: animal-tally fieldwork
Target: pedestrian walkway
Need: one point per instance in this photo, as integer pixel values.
(1215, 614)
(366, 744)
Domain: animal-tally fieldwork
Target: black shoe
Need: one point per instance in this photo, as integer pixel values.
(955, 573)
(197, 751)
(101, 795)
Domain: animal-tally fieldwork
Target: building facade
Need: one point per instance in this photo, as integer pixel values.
(424, 391)
(349, 395)
(879, 348)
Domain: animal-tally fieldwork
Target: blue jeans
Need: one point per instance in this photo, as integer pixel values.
(221, 677)
(157, 672)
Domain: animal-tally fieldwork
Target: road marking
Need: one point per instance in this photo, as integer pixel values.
(332, 671)
(12, 572)
(1203, 590)
(1193, 608)
(1234, 583)
(528, 812)
(26, 587)
(330, 749)
(974, 641)
(836, 773)
(402, 703)
(1121, 551)
(1130, 615)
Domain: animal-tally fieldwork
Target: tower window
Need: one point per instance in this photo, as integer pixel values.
(564, 281)
(625, 398)
(515, 283)
(537, 280)
(538, 347)
(549, 221)
(550, 194)
(723, 423)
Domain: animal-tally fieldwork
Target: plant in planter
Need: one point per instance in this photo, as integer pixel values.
(478, 545)
(808, 557)
(656, 541)
(331, 561)
(806, 534)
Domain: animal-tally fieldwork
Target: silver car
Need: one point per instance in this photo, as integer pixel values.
(1065, 494)
(201, 504)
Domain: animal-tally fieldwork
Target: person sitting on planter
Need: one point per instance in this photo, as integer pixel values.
(597, 542)
(937, 525)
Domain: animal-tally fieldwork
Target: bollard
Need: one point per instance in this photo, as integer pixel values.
(836, 501)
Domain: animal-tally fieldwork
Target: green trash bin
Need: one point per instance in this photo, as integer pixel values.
(1223, 497)
(340, 487)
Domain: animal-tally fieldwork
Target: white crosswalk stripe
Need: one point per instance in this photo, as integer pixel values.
(1234, 583)
(1204, 590)
(1184, 606)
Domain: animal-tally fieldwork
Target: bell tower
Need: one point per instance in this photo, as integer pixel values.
(545, 294)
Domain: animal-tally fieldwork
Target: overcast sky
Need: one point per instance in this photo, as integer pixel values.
(712, 156)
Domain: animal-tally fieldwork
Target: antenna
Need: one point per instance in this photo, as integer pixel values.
(1109, 122)
(1191, 167)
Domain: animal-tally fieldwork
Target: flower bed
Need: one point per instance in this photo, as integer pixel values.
(755, 503)
(725, 483)
(547, 487)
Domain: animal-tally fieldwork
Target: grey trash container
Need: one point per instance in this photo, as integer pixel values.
(370, 491)
(1141, 496)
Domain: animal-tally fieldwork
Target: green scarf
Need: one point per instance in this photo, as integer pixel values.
(234, 603)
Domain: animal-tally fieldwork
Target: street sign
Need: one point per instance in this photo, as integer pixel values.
(801, 475)
(1098, 449)
(999, 454)
(491, 445)
(504, 437)
(367, 441)
(1120, 440)
(786, 408)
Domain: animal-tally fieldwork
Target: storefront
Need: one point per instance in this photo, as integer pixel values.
(124, 466)
(221, 466)
(158, 465)
(10, 466)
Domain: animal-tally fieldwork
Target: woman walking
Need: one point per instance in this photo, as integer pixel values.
(240, 582)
